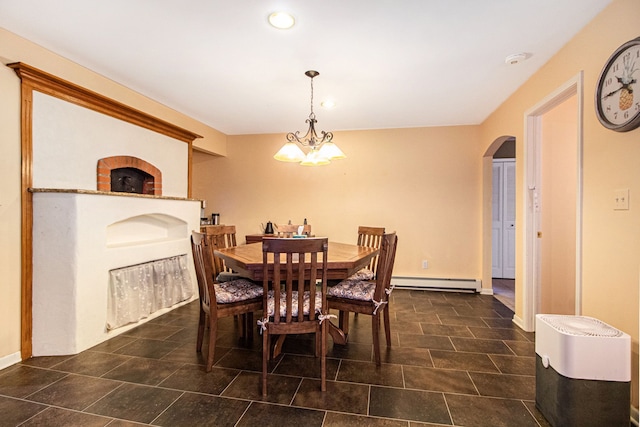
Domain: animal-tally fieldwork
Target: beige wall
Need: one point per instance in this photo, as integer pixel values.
(424, 183)
(16, 49)
(611, 239)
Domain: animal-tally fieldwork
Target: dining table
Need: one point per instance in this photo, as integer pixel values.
(343, 260)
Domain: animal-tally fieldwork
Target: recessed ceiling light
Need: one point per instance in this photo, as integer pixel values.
(282, 20)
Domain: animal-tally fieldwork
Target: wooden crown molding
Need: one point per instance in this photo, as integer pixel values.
(55, 86)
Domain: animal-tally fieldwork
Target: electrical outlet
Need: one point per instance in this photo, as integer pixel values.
(621, 200)
(425, 263)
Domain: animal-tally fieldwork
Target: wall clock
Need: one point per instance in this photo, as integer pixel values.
(618, 90)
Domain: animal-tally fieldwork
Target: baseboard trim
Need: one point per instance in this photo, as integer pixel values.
(10, 359)
(436, 283)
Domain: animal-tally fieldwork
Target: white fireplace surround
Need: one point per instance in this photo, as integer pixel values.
(79, 233)
(78, 238)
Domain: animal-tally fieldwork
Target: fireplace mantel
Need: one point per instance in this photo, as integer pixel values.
(107, 193)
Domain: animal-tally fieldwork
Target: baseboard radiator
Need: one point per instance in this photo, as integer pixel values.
(436, 284)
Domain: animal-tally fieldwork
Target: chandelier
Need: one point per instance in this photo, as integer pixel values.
(321, 147)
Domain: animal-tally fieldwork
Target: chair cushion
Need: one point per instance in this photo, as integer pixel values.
(227, 276)
(362, 274)
(362, 290)
(236, 290)
(294, 308)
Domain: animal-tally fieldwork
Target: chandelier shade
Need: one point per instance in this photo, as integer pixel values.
(322, 148)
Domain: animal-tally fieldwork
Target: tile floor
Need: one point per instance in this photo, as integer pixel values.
(456, 359)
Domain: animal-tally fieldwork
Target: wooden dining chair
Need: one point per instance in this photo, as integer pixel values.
(369, 296)
(224, 236)
(289, 230)
(371, 237)
(292, 304)
(217, 300)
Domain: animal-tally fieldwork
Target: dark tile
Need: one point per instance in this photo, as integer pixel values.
(305, 366)
(62, 417)
(446, 330)
(340, 397)
(445, 380)
(369, 373)
(517, 365)
(488, 412)
(75, 391)
(352, 351)
(480, 346)
(521, 348)
(154, 349)
(406, 356)
(91, 363)
(497, 322)
(21, 381)
(498, 334)
(186, 353)
(521, 387)
(446, 319)
(267, 415)
(404, 326)
(202, 410)
(425, 341)
(15, 411)
(531, 406)
(194, 378)
(44, 361)
(463, 361)
(412, 316)
(428, 307)
(248, 385)
(152, 331)
(134, 403)
(476, 311)
(143, 371)
(246, 360)
(113, 344)
(413, 405)
(334, 419)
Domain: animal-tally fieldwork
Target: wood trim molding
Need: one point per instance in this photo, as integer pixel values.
(38, 80)
(55, 86)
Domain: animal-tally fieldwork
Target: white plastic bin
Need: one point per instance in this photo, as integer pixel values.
(583, 371)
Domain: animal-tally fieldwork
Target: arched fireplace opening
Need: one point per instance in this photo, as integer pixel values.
(128, 174)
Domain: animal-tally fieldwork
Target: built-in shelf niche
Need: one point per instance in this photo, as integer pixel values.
(145, 229)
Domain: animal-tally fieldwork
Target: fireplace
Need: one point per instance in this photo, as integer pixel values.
(128, 174)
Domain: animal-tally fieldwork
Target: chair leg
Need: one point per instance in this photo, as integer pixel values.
(387, 326)
(201, 326)
(249, 326)
(375, 329)
(343, 321)
(265, 357)
(323, 356)
(213, 332)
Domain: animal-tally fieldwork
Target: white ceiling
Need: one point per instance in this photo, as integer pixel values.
(386, 63)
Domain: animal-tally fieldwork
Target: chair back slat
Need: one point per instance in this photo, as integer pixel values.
(298, 264)
(385, 265)
(205, 271)
(288, 230)
(371, 237)
(221, 236)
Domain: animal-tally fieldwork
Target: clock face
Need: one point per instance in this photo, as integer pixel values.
(618, 91)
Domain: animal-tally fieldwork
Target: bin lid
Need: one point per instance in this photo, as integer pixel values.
(580, 326)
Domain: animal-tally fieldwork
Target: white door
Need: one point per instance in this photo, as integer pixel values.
(504, 216)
